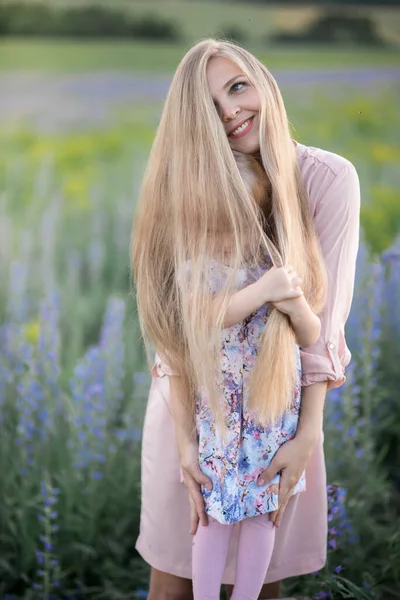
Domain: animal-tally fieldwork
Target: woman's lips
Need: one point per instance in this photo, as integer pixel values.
(244, 131)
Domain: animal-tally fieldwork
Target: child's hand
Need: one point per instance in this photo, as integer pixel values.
(292, 306)
(278, 284)
(306, 325)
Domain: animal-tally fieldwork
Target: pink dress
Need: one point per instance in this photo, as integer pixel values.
(301, 540)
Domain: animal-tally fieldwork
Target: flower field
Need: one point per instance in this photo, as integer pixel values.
(73, 377)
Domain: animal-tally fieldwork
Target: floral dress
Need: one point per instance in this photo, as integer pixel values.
(234, 465)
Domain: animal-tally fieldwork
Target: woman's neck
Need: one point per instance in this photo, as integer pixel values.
(257, 156)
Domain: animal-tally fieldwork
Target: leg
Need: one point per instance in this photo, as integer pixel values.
(269, 591)
(210, 549)
(164, 586)
(256, 543)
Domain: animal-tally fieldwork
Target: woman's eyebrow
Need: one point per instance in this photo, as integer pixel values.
(228, 83)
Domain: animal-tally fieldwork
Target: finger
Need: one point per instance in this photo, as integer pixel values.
(196, 498)
(197, 515)
(194, 518)
(202, 479)
(273, 515)
(279, 516)
(285, 492)
(198, 502)
(283, 499)
(297, 281)
(284, 489)
(295, 293)
(196, 474)
(269, 473)
(205, 481)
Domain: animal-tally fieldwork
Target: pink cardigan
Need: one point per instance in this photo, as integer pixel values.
(300, 545)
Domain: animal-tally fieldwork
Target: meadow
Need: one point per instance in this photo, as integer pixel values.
(73, 375)
(48, 56)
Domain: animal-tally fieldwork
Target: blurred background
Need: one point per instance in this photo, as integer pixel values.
(81, 90)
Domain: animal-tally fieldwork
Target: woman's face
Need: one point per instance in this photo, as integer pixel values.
(237, 104)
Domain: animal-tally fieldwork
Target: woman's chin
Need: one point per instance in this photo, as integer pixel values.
(250, 146)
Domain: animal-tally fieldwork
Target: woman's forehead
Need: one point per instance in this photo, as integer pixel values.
(220, 71)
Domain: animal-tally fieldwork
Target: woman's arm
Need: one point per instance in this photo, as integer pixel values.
(337, 221)
(293, 456)
(184, 422)
(311, 413)
(188, 450)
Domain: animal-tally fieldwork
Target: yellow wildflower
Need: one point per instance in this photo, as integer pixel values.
(32, 332)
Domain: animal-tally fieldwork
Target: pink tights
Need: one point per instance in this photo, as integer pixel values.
(210, 549)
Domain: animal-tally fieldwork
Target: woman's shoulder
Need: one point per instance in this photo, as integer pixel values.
(318, 159)
(321, 169)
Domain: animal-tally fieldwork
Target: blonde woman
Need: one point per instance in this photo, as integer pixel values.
(222, 99)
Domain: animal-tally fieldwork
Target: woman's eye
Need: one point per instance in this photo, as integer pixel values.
(235, 87)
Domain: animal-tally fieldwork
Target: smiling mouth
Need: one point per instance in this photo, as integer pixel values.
(242, 129)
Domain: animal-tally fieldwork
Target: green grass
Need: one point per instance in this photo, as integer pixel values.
(73, 56)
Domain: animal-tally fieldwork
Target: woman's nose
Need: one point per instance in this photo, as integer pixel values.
(229, 113)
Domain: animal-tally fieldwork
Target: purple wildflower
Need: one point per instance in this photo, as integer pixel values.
(48, 571)
(96, 389)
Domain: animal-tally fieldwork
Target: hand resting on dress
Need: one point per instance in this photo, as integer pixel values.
(193, 478)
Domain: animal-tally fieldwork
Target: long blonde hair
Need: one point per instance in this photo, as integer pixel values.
(192, 189)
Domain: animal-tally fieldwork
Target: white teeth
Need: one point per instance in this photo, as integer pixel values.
(240, 129)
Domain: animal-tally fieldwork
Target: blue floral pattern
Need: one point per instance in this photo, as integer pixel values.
(235, 463)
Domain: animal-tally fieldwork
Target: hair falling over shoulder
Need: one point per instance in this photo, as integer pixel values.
(194, 194)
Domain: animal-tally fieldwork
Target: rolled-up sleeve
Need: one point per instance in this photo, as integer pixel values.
(337, 221)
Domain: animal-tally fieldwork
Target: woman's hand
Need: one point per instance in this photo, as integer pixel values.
(290, 460)
(193, 478)
(279, 283)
